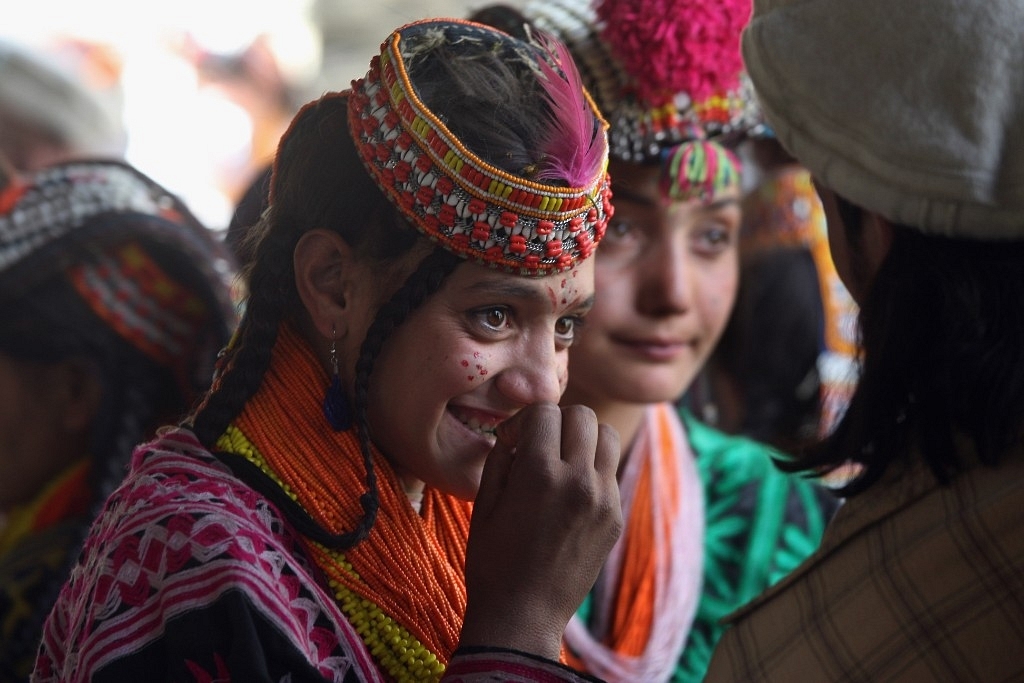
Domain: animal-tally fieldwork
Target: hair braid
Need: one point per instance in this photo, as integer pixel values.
(423, 282)
(248, 360)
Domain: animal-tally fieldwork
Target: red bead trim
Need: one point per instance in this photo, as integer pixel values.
(452, 196)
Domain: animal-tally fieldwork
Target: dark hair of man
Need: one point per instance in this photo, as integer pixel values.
(942, 359)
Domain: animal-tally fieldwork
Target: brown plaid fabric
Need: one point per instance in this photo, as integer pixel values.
(913, 582)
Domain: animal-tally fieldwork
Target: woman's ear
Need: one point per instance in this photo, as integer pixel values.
(325, 268)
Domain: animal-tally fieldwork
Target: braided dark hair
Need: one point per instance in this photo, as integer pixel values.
(305, 196)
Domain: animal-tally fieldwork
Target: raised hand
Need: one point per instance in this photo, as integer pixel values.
(545, 518)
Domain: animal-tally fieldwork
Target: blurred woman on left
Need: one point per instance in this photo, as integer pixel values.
(115, 302)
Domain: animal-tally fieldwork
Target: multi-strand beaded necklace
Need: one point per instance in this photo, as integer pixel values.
(403, 587)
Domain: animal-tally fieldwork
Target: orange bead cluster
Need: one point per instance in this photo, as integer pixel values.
(404, 585)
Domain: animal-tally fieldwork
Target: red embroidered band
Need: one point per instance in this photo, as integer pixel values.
(452, 196)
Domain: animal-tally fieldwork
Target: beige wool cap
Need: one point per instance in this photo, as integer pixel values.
(913, 110)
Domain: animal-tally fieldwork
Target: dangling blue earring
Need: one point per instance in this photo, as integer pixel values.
(336, 407)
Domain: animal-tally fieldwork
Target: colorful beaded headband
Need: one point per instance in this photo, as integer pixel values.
(62, 203)
(473, 209)
(662, 71)
(160, 316)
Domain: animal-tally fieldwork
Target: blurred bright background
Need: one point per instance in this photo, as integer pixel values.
(203, 89)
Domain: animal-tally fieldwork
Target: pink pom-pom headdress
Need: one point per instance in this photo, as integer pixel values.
(661, 71)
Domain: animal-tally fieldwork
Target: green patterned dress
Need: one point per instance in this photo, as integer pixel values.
(760, 524)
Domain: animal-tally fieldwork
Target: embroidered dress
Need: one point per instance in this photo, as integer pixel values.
(755, 525)
(192, 574)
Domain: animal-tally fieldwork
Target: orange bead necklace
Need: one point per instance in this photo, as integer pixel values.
(411, 566)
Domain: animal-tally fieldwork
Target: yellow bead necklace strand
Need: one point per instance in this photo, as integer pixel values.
(399, 653)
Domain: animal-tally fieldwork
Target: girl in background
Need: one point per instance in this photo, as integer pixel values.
(710, 521)
(115, 304)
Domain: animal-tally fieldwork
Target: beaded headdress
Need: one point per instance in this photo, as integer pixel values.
(104, 226)
(662, 71)
(470, 207)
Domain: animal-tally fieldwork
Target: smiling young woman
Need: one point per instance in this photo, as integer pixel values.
(414, 291)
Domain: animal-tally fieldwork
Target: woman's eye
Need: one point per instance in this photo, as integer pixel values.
(618, 229)
(714, 239)
(568, 327)
(496, 318)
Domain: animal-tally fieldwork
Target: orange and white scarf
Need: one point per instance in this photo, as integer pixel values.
(645, 600)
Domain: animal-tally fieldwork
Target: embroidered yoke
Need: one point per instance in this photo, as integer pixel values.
(191, 575)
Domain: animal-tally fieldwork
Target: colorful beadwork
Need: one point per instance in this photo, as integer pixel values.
(452, 196)
(62, 199)
(399, 653)
(698, 169)
(411, 565)
(129, 290)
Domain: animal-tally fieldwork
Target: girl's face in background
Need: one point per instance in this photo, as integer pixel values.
(45, 413)
(666, 278)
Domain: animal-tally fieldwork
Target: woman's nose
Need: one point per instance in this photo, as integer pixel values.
(666, 286)
(538, 374)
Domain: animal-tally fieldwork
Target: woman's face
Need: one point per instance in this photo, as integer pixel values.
(666, 278)
(484, 346)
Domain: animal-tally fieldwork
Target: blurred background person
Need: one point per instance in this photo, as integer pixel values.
(47, 114)
(267, 77)
(786, 364)
(194, 121)
(196, 85)
(115, 304)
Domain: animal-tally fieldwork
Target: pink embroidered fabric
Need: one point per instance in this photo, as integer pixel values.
(190, 575)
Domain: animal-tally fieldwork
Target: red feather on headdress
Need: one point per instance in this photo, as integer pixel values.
(573, 144)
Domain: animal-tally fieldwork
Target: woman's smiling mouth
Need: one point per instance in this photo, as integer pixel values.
(480, 422)
(654, 350)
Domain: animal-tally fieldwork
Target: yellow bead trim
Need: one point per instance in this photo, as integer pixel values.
(399, 652)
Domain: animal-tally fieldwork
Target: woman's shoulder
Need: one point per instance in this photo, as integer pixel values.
(176, 488)
(183, 546)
